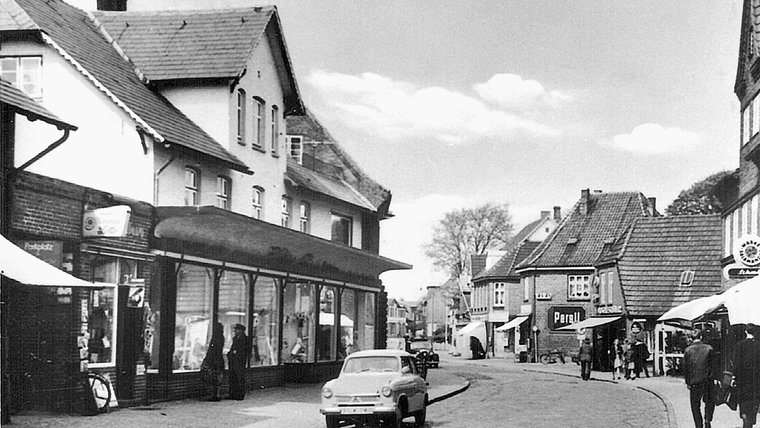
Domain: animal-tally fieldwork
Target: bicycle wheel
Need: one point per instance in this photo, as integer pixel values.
(544, 358)
(101, 390)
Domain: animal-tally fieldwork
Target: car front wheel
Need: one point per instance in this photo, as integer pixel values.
(420, 415)
(332, 421)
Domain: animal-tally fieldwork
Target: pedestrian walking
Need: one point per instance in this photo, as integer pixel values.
(698, 371)
(628, 359)
(618, 360)
(236, 358)
(584, 355)
(643, 355)
(747, 373)
(213, 364)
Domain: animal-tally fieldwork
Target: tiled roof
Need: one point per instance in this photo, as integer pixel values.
(657, 251)
(202, 44)
(749, 41)
(580, 238)
(478, 263)
(505, 267)
(13, 17)
(324, 154)
(26, 106)
(81, 42)
(314, 181)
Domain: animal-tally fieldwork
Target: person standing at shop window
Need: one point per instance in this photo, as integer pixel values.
(213, 365)
(236, 358)
(698, 372)
(747, 372)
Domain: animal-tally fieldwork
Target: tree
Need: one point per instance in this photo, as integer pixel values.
(706, 196)
(466, 232)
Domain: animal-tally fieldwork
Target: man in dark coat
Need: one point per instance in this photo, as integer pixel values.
(236, 358)
(584, 355)
(698, 364)
(747, 372)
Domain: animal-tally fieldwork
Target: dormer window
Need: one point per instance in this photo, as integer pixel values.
(687, 277)
(295, 147)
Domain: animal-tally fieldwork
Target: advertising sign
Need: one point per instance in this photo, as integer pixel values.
(48, 251)
(111, 222)
(560, 316)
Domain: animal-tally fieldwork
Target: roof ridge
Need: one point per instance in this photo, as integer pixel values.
(106, 35)
(176, 12)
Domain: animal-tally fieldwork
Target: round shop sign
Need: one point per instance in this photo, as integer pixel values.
(747, 250)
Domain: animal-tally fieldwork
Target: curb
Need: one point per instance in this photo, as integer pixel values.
(670, 411)
(459, 390)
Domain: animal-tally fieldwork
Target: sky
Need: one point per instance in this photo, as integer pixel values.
(455, 104)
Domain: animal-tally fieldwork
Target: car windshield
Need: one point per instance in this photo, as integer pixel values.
(371, 364)
(421, 345)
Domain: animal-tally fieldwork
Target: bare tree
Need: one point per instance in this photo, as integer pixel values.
(466, 232)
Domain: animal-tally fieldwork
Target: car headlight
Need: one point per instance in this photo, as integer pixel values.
(386, 391)
(327, 392)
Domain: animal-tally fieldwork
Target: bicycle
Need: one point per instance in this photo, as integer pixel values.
(552, 356)
(101, 391)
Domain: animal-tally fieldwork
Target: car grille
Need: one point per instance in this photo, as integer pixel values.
(356, 400)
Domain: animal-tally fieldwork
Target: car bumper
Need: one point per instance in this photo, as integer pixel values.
(358, 411)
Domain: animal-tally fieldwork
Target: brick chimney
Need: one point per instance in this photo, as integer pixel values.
(557, 214)
(652, 206)
(112, 5)
(585, 196)
(544, 214)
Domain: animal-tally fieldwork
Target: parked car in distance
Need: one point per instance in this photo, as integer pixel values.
(423, 350)
(381, 386)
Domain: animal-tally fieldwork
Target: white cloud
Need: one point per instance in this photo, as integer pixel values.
(393, 110)
(511, 91)
(651, 138)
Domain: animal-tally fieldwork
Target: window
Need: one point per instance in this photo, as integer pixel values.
(745, 125)
(265, 330)
(578, 287)
(257, 202)
(526, 290)
(191, 186)
(687, 277)
(609, 288)
(258, 121)
(305, 216)
(298, 326)
(603, 288)
(23, 72)
(341, 228)
(192, 324)
(286, 210)
(223, 193)
(241, 117)
(755, 115)
(295, 146)
(498, 294)
(275, 130)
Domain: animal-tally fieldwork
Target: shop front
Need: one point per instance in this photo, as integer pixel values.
(306, 302)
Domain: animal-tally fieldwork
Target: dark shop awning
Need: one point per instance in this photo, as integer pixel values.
(218, 234)
(590, 322)
(23, 267)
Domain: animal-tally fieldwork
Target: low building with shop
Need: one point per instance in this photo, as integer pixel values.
(500, 298)
(177, 199)
(557, 278)
(657, 264)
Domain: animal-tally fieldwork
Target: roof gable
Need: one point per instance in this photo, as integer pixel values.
(580, 237)
(749, 45)
(77, 38)
(505, 267)
(203, 44)
(658, 250)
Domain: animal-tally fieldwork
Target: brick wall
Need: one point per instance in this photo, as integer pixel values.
(188, 385)
(555, 283)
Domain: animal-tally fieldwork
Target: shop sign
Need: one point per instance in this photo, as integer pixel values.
(111, 222)
(136, 297)
(543, 296)
(747, 250)
(47, 251)
(739, 271)
(560, 316)
(605, 310)
(479, 318)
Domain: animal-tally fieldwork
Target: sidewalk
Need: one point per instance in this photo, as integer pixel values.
(294, 405)
(671, 390)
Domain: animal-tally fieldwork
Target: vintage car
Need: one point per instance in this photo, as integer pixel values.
(423, 351)
(381, 386)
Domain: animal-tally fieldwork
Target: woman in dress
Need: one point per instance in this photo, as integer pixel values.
(617, 363)
(213, 365)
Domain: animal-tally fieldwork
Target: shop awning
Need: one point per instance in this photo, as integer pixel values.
(223, 235)
(590, 322)
(693, 309)
(512, 324)
(477, 329)
(741, 301)
(23, 267)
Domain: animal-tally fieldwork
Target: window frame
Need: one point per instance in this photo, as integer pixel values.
(572, 281)
(258, 122)
(194, 187)
(286, 211)
(241, 102)
(499, 294)
(18, 81)
(275, 130)
(224, 192)
(304, 221)
(257, 202)
(295, 152)
(350, 219)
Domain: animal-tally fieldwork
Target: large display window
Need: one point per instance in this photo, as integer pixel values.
(192, 330)
(348, 310)
(369, 321)
(326, 337)
(264, 333)
(234, 301)
(299, 327)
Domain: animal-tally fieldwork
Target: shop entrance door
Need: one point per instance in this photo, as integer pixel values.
(129, 345)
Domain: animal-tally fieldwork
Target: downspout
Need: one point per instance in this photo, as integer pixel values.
(49, 149)
(155, 177)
